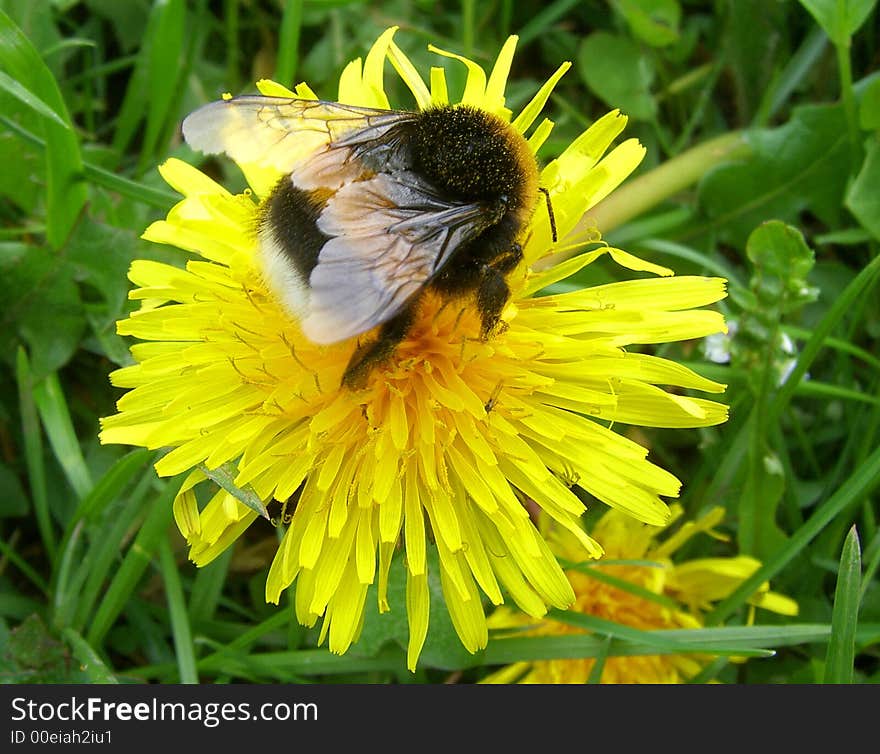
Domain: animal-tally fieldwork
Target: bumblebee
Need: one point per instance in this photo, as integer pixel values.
(375, 207)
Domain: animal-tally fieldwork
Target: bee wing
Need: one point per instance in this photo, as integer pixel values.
(278, 132)
(389, 236)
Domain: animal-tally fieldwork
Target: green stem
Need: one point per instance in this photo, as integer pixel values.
(844, 68)
(468, 14)
(641, 194)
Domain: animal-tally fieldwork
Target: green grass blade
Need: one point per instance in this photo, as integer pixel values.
(628, 586)
(73, 595)
(52, 407)
(33, 452)
(711, 670)
(664, 642)
(282, 665)
(7, 551)
(140, 192)
(64, 596)
(845, 617)
(288, 42)
(798, 67)
(65, 191)
(100, 560)
(872, 563)
(130, 189)
(11, 86)
(859, 484)
(164, 66)
(733, 640)
(111, 484)
(207, 588)
(89, 661)
(599, 663)
(134, 563)
(857, 288)
(539, 24)
(180, 630)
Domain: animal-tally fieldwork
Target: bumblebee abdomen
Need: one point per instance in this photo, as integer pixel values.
(290, 217)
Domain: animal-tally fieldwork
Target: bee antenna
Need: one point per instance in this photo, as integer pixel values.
(546, 194)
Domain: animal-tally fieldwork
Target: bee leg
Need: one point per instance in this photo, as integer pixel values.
(493, 291)
(372, 353)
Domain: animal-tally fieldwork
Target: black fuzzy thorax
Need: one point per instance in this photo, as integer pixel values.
(467, 154)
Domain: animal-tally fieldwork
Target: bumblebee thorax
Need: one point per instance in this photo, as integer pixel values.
(472, 154)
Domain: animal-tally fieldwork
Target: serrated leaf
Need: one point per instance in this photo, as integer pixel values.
(617, 72)
(863, 196)
(655, 22)
(839, 18)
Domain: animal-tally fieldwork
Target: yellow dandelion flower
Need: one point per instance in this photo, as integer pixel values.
(451, 435)
(644, 590)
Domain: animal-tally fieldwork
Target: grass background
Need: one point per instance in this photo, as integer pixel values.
(751, 110)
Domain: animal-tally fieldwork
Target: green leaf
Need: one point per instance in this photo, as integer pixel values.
(224, 476)
(655, 22)
(863, 196)
(42, 306)
(89, 661)
(443, 647)
(792, 169)
(65, 191)
(33, 655)
(839, 18)
(782, 261)
(869, 107)
(617, 72)
(20, 163)
(845, 617)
